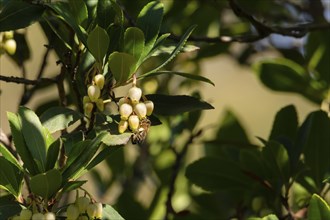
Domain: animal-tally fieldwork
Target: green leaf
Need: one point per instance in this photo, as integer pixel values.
(122, 66)
(175, 51)
(46, 184)
(98, 43)
(134, 42)
(318, 208)
(149, 21)
(105, 153)
(268, 217)
(284, 75)
(173, 105)
(33, 133)
(12, 13)
(110, 213)
(316, 146)
(217, 174)
(106, 13)
(10, 177)
(72, 185)
(8, 155)
(277, 164)
(52, 154)
(62, 9)
(285, 123)
(79, 10)
(186, 75)
(8, 207)
(116, 139)
(58, 118)
(21, 148)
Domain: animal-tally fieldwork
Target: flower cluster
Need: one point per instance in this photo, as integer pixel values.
(131, 110)
(94, 94)
(84, 209)
(26, 214)
(7, 43)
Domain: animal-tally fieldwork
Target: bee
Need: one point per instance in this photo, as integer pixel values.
(141, 133)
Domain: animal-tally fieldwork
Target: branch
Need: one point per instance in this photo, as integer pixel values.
(20, 80)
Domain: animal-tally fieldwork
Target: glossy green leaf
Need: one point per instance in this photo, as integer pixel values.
(106, 13)
(18, 138)
(63, 12)
(134, 42)
(13, 12)
(285, 123)
(186, 75)
(98, 43)
(59, 118)
(285, 75)
(8, 156)
(173, 105)
(177, 49)
(116, 139)
(46, 184)
(122, 66)
(316, 146)
(110, 213)
(318, 208)
(277, 164)
(79, 10)
(105, 153)
(149, 21)
(72, 185)
(8, 207)
(10, 177)
(318, 54)
(52, 154)
(33, 133)
(217, 174)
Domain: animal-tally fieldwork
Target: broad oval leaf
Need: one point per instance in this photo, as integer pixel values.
(106, 12)
(110, 213)
(122, 66)
(10, 177)
(284, 75)
(116, 139)
(98, 43)
(13, 12)
(79, 10)
(59, 118)
(52, 154)
(215, 174)
(18, 138)
(149, 21)
(173, 105)
(46, 184)
(134, 42)
(316, 146)
(33, 133)
(186, 75)
(8, 207)
(318, 208)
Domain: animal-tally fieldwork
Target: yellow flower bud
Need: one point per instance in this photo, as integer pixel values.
(86, 99)
(49, 216)
(8, 35)
(10, 46)
(125, 110)
(91, 211)
(99, 80)
(122, 126)
(99, 210)
(25, 214)
(72, 212)
(94, 92)
(150, 107)
(100, 104)
(140, 110)
(37, 216)
(123, 100)
(133, 122)
(135, 94)
(88, 107)
(82, 203)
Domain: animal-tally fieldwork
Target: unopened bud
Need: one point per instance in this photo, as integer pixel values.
(10, 46)
(8, 34)
(94, 92)
(123, 100)
(99, 80)
(37, 216)
(88, 107)
(122, 126)
(125, 110)
(25, 214)
(49, 216)
(133, 122)
(150, 107)
(82, 203)
(91, 211)
(72, 212)
(99, 210)
(100, 104)
(140, 110)
(86, 99)
(135, 94)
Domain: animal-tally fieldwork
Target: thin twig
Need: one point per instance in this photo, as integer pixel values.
(20, 80)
